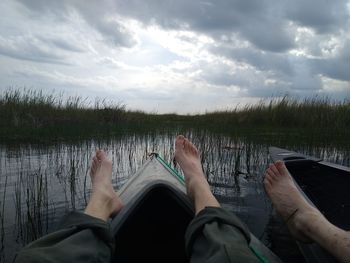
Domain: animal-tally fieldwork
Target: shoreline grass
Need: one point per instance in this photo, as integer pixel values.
(28, 115)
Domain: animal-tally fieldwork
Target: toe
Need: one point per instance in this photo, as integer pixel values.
(179, 142)
(192, 148)
(281, 167)
(274, 169)
(101, 155)
(271, 174)
(186, 145)
(279, 162)
(269, 178)
(195, 151)
(180, 137)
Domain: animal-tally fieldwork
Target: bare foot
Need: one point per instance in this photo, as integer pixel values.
(186, 154)
(289, 202)
(198, 189)
(104, 202)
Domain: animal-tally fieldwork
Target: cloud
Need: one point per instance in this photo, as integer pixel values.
(64, 44)
(99, 15)
(226, 78)
(269, 35)
(321, 15)
(259, 73)
(30, 48)
(336, 67)
(261, 60)
(266, 24)
(256, 21)
(304, 81)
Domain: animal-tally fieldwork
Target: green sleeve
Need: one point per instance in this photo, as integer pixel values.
(216, 235)
(81, 238)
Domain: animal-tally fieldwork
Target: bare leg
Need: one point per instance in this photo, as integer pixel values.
(305, 222)
(186, 154)
(104, 202)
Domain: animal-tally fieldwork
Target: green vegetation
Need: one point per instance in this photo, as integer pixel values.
(281, 121)
(287, 112)
(32, 115)
(29, 114)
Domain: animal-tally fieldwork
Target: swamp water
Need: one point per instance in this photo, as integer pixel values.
(39, 184)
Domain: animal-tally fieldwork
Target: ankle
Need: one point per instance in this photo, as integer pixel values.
(203, 198)
(96, 210)
(306, 221)
(101, 204)
(196, 185)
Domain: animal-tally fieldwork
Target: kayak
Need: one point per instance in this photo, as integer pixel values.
(156, 213)
(326, 186)
(152, 225)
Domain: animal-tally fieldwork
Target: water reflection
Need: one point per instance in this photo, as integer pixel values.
(39, 184)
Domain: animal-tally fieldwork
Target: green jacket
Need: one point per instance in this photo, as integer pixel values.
(214, 235)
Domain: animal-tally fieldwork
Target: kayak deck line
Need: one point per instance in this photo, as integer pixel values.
(169, 168)
(145, 166)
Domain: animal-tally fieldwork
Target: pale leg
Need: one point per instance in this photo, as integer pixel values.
(198, 189)
(305, 222)
(104, 202)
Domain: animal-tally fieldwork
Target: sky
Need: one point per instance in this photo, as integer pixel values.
(177, 55)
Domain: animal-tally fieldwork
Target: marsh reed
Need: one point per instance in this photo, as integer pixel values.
(29, 115)
(32, 205)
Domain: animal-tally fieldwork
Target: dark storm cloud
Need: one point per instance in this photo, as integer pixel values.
(264, 74)
(256, 20)
(322, 15)
(262, 22)
(261, 60)
(98, 14)
(250, 82)
(266, 25)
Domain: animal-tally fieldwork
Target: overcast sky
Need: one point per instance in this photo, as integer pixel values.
(177, 55)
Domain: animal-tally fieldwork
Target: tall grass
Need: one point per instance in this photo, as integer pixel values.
(31, 203)
(286, 112)
(28, 114)
(281, 120)
(2, 218)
